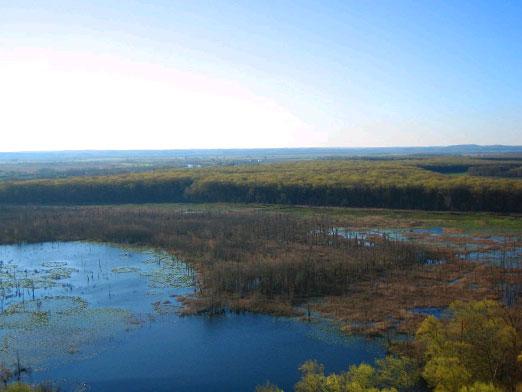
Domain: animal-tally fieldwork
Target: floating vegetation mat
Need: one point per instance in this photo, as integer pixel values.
(56, 327)
(169, 276)
(125, 270)
(65, 301)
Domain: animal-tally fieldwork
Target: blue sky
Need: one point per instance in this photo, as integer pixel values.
(203, 74)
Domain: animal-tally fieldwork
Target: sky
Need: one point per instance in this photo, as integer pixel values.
(169, 74)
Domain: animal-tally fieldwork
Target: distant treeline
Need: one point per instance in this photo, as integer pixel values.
(507, 170)
(398, 184)
(501, 170)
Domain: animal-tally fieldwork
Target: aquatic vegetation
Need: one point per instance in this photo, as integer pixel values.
(41, 318)
(54, 264)
(55, 305)
(248, 260)
(270, 260)
(169, 276)
(125, 270)
(110, 319)
(17, 321)
(58, 273)
(61, 327)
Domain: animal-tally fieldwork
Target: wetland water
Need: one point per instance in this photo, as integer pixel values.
(501, 250)
(103, 318)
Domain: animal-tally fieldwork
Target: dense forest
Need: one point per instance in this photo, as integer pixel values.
(399, 183)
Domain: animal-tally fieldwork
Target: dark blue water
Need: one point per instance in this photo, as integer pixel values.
(231, 353)
(104, 318)
(430, 311)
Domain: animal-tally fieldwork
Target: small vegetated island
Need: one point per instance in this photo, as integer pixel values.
(423, 253)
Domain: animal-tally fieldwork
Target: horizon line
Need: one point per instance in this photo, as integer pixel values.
(94, 150)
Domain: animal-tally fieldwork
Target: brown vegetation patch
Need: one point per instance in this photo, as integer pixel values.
(276, 262)
(386, 304)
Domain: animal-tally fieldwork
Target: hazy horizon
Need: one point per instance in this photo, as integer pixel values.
(396, 150)
(159, 75)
